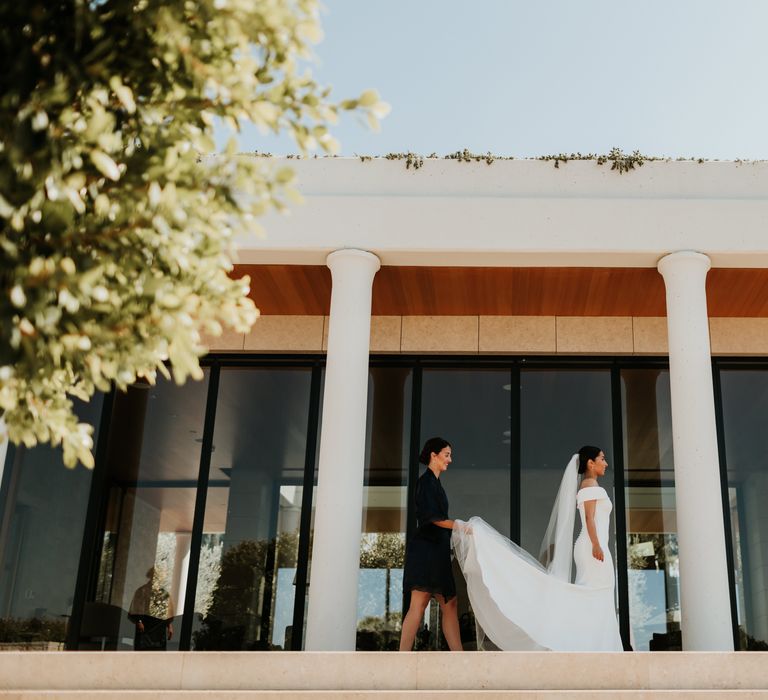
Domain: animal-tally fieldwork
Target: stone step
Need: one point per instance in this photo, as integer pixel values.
(387, 694)
(383, 675)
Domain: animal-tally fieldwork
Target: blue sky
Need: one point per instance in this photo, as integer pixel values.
(678, 78)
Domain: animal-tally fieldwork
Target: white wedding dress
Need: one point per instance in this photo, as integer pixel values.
(520, 604)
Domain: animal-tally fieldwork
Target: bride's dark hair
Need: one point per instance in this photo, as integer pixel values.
(436, 445)
(585, 454)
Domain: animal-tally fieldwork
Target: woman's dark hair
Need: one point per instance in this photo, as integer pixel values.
(585, 454)
(436, 445)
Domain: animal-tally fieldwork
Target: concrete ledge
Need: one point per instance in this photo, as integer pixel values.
(389, 694)
(376, 671)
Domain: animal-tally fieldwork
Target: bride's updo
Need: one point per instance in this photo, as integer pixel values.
(585, 454)
(436, 445)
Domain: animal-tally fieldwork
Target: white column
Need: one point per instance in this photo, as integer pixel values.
(705, 598)
(332, 613)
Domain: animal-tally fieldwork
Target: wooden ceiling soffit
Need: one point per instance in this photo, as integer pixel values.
(504, 291)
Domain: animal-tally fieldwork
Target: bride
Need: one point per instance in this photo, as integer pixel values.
(521, 603)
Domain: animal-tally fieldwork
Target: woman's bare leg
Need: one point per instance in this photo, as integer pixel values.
(450, 622)
(412, 620)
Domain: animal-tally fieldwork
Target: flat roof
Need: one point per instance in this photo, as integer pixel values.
(519, 213)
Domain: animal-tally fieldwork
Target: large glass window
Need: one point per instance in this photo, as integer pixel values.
(41, 533)
(510, 440)
(745, 423)
(472, 410)
(652, 554)
(246, 583)
(560, 410)
(382, 548)
(152, 465)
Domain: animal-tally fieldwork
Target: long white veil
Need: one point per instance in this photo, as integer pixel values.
(556, 552)
(522, 602)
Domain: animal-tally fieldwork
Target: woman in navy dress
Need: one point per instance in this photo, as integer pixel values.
(428, 571)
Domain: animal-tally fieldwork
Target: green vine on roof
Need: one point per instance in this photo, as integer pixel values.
(620, 161)
(411, 159)
(415, 161)
(623, 162)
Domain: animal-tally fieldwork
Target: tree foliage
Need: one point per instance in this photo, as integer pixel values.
(116, 232)
(382, 550)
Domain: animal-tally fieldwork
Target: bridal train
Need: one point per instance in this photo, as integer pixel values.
(520, 604)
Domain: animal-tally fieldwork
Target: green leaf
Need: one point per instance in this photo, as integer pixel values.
(118, 226)
(105, 164)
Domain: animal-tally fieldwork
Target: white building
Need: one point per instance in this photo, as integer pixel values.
(516, 308)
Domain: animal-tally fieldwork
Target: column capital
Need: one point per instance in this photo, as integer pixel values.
(352, 254)
(690, 259)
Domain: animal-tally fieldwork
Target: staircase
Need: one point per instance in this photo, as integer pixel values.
(382, 675)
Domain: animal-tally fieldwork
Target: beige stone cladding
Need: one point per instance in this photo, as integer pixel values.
(447, 334)
(739, 336)
(286, 334)
(535, 334)
(610, 335)
(649, 335)
(228, 341)
(538, 335)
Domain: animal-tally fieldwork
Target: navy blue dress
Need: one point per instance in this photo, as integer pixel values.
(428, 558)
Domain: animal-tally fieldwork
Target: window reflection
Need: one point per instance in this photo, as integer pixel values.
(745, 407)
(246, 581)
(382, 546)
(41, 532)
(471, 409)
(652, 552)
(653, 573)
(152, 465)
(560, 410)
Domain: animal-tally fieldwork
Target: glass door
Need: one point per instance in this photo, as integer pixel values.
(472, 409)
(513, 431)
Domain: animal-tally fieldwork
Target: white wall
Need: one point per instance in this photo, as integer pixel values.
(520, 213)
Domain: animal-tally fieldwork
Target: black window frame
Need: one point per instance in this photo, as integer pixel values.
(93, 534)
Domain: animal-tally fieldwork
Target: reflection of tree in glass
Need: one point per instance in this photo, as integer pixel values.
(749, 643)
(654, 552)
(239, 616)
(642, 613)
(665, 550)
(106, 567)
(164, 560)
(31, 632)
(381, 550)
(208, 571)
